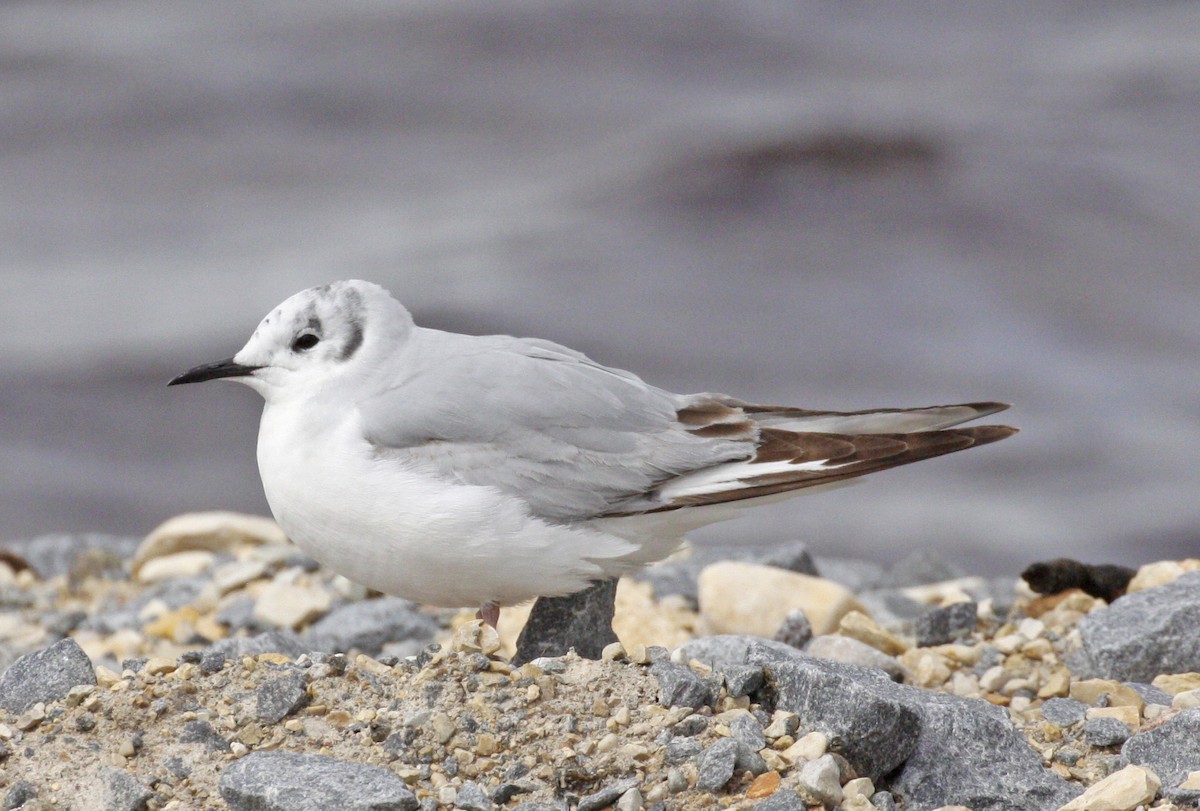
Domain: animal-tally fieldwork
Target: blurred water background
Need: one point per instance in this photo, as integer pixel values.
(828, 204)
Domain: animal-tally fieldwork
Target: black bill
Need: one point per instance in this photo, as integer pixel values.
(211, 371)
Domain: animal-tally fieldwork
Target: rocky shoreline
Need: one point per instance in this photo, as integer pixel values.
(212, 665)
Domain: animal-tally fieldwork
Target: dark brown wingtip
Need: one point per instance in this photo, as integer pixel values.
(987, 407)
(983, 434)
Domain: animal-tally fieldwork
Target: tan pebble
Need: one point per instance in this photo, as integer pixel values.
(443, 728)
(1176, 683)
(635, 751)
(238, 749)
(857, 625)
(859, 804)
(156, 666)
(339, 718)
(127, 749)
(946, 592)
(533, 693)
(612, 651)
(6, 732)
(293, 725)
(722, 730)
(774, 761)
(179, 564)
(783, 742)
(486, 745)
(365, 716)
(964, 683)
(1192, 781)
(237, 573)
(622, 716)
(106, 677)
(410, 775)
(608, 743)
(808, 747)
(184, 671)
(728, 703)
(963, 654)
(998, 699)
(211, 531)
(502, 668)
(1089, 691)
(728, 606)
(637, 654)
(1161, 573)
(1009, 643)
(994, 678)
(599, 707)
(290, 605)
(1187, 700)
(372, 666)
(859, 787)
(1020, 703)
(207, 626)
(1127, 715)
(763, 786)
(1120, 791)
(31, 717)
(657, 793)
(1057, 684)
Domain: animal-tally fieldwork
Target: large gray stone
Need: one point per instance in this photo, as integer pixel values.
(1146, 633)
(731, 649)
(858, 708)
(281, 696)
(367, 625)
(288, 781)
(968, 753)
(716, 765)
(45, 675)
(121, 791)
(1171, 750)
(582, 621)
(680, 686)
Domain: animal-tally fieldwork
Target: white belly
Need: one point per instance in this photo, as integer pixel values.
(398, 528)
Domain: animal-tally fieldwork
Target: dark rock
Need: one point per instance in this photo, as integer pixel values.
(749, 760)
(741, 680)
(281, 696)
(1146, 633)
(367, 625)
(1105, 732)
(745, 728)
(717, 764)
(46, 675)
(288, 781)
(681, 749)
(506, 791)
(883, 801)
(21, 792)
(582, 621)
(920, 568)
(731, 649)
(784, 799)
(692, 725)
(202, 732)
(946, 624)
(1064, 712)
(472, 797)
(680, 686)
(968, 753)
(211, 661)
(795, 630)
(1105, 581)
(607, 795)
(1151, 694)
(859, 709)
(121, 791)
(235, 647)
(1170, 750)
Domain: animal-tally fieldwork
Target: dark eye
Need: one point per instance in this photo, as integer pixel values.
(305, 342)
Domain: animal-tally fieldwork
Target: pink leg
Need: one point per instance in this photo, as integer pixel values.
(489, 612)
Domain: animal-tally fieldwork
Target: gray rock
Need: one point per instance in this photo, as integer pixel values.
(749, 760)
(921, 567)
(52, 555)
(235, 647)
(46, 675)
(784, 799)
(892, 608)
(883, 801)
(281, 696)
(745, 728)
(1146, 633)
(1105, 732)
(1151, 694)
(21, 792)
(968, 753)
(861, 710)
(741, 680)
(731, 649)
(795, 630)
(367, 625)
(692, 725)
(717, 764)
(681, 749)
(607, 795)
(288, 781)
(472, 797)
(946, 624)
(122, 791)
(853, 573)
(680, 686)
(838, 648)
(1063, 712)
(1170, 750)
(582, 621)
(202, 732)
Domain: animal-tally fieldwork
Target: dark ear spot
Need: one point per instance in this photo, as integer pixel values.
(353, 342)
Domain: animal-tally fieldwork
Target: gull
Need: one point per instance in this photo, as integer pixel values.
(462, 470)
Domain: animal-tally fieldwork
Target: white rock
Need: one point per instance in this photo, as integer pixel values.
(630, 801)
(746, 598)
(210, 531)
(177, 564)
(820, 780)
(290, 605)
(1120, 791)
(237, 573)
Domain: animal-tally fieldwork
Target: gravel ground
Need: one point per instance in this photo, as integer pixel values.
(219, 668)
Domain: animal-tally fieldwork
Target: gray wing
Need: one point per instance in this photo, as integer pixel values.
(573, 438)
